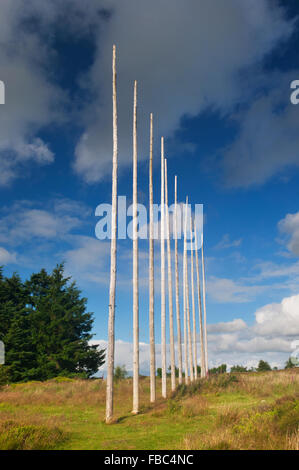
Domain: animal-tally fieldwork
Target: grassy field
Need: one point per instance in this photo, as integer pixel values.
(241, 411)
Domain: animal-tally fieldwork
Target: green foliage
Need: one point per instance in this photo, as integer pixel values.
(263, 366)
(120, 372)
(289, 364)
(238, 369)
(159, 372)
(218, 370)
(45, 328)
(29, 437)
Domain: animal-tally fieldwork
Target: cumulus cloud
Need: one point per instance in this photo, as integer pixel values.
(270, 338)
(235, 325)
(268, 130)
(6, 257)
(280, 319)
(185, 60)
(230, 291)
(289, 226)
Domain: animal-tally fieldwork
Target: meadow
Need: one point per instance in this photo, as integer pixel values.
(227, 411)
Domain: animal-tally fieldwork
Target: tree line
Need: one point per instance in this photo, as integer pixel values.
(45, 328)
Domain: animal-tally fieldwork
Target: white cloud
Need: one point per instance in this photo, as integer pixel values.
(226, 242)
(290, 227)
(268, 131)
(227, 290)
(280, 319)
(270, 338)
(185, 60)
(6, 257)
(235, 325)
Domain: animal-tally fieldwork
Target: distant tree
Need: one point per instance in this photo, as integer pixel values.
(263, 366)
(289, 364)
(120, 372)
(159, 372)
(238, 369)
(218, 370)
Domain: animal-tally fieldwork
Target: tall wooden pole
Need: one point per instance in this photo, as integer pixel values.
(190, 352)
(111, 333)
(170, 299)
(163, 312)
(202, 347)
(204, 308)
(177, 291)
(135, 266)
(185, 297)
(193, 303)
(151, 274)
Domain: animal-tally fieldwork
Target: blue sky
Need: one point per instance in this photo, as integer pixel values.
(217, 77)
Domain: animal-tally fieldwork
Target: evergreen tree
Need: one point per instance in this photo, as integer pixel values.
(263, 366)
(45, 328)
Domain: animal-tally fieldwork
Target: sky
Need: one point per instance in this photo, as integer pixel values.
(216, 76)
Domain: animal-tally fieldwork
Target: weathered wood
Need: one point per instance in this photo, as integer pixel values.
(170, 293)
(204, 308)
(193, 304)
(111, 320)
(163, 301)
(151, 275)
(202, 347)
(135, 266)
(185, 298)
(177, 290)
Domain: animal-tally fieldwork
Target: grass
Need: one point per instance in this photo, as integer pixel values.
(230, 411)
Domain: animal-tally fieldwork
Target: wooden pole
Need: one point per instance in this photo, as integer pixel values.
(151, 275)
(202, 347)
(193, 303)
(111, 320)
(177, 292)
(170, 299)
(163, 313)
(204, 308)
(190, 352)
(135, 266)
(185, 298)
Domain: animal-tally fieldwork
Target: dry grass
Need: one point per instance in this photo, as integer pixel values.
(238, 411)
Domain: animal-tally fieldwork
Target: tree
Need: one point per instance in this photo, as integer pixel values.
(238, 368)
(45, 328)
(263, 366)
(60, 327)
(289, 364)
(219, 370)
(120, 372)
(111, 320)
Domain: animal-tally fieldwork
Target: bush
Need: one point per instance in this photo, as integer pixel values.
(15, 436)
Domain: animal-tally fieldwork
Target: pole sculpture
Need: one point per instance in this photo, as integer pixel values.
(177, 292)
(204, 307)
(111, 320)
(170, 299)
(135, 266)
(151, 274)
(193, 302)
(185, 297)
(163, 313)
(202, 347)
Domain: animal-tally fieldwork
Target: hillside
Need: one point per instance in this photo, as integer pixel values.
(242, 411)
